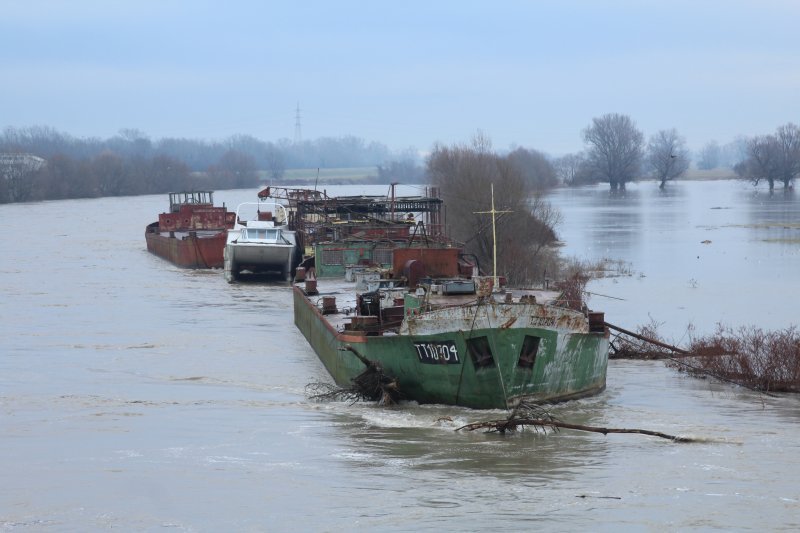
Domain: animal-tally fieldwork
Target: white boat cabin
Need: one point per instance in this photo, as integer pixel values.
(262, 232)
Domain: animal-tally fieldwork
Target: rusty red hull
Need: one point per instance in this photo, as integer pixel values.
(195, 249)
(193, 233)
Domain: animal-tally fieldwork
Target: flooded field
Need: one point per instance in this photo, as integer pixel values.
(138, 396)
(698, 253)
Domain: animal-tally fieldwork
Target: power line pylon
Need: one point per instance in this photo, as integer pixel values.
(298, 133)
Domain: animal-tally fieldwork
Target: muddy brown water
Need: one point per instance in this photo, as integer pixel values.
(138, 396)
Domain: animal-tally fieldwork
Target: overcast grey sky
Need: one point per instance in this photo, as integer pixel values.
(407, 73)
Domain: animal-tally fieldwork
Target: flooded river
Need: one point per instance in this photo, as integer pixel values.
(138, 396)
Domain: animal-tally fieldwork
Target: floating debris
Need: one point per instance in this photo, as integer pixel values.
(370, 385)
(535, 417)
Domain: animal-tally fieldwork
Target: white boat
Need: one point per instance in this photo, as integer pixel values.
(260, 241)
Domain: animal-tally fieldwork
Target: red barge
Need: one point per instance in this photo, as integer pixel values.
(193, 233)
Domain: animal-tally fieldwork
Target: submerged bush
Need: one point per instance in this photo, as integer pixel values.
(750, 356)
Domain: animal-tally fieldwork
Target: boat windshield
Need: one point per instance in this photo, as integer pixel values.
(261, 234)
(177, 199)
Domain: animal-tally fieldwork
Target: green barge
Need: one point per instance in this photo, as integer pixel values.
(456, 342)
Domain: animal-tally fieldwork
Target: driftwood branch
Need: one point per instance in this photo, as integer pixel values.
(373, 384)
(532, 415)
(501, 426)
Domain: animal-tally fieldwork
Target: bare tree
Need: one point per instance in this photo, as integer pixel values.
(787, 138)
(63, 177)
(109, 174)
(615, 148)
(234, 170)
(535, 168)
(709, 156)
(574, 169)
(772, 157)
(667, 156)
(465, 175)
(276, 166)
(17, 171)
(131, 142)
(165, 174)
(566, 168)
(734, 152)
(761, 162)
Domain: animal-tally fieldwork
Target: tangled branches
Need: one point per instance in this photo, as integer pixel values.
(572, 291)
(322, 391)
(763, 361)
(533, 416)
(644, 343)
(750, 357)
(370, 385)
(525, 414)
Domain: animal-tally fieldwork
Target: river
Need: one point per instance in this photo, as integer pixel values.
(138, 396)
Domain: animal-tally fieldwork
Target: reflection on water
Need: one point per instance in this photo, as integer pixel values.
(139, 396)
(776, 214)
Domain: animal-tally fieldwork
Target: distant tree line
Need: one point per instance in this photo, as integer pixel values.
(109, 174)
(132, 163)
(404, 168)
(197, 154)
(616, 153)
(713, 155)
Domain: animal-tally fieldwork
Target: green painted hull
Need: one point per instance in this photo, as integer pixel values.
(568, 364)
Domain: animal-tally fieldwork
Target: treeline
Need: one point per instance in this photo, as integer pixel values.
(41, 163)
(199, 155)
(617, 153)
(109, 174)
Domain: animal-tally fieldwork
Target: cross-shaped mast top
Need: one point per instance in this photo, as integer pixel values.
(493, 212)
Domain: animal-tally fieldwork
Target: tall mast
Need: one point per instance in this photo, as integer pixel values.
(493, 212)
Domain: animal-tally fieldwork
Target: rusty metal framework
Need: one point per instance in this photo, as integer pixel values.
(318, 217)
(370, 217)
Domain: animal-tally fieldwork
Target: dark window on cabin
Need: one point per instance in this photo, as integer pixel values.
(480, 352)
(527, 356)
